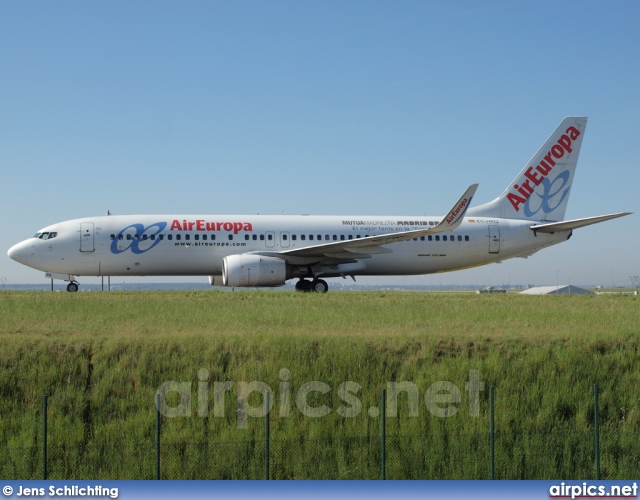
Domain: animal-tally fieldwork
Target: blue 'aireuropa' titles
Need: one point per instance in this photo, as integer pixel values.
(547, 195)
(136, 242)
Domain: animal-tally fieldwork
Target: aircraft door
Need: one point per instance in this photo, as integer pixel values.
(494, 239)
(271, 239)
(86, 237)
(284, 240)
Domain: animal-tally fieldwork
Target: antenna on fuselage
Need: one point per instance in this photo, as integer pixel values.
(108, 212)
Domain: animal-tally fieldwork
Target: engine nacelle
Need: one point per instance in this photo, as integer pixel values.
(253, 270)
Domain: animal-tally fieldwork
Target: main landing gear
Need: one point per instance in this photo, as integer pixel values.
(319, 286)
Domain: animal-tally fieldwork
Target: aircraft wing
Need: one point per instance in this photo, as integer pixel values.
(568, 225)
(364, 247)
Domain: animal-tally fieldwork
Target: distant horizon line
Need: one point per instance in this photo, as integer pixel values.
(206, 286)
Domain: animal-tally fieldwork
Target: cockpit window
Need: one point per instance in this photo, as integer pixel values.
(46, 236)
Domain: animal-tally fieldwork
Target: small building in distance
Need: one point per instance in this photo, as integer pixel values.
(557, 290)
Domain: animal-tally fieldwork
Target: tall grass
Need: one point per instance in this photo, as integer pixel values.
(101, 357)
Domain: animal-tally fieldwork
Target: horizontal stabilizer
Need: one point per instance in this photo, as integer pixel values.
(568, 225)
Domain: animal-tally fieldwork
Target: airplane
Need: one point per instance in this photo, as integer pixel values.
(267, 250)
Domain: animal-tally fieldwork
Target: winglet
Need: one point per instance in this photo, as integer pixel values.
(455, 216)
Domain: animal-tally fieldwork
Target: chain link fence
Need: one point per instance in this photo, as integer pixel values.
(460, 456)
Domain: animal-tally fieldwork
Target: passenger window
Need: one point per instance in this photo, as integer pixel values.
(161, 237)
(293, 237)
(230, 237)
(335, 237)
(120, 236)
(351, 236)
(213, 237)
(459, 238)
(269, 237)
(153, 236)
(421, 238)
(430, 238)
(170, 236)
(187, 237)
(284, 237)
(255, 237)
(262, 237)
(437, 237)
(466, 238)
(444, 238)
(311, 237)
(302, 237)
(342, 237)
(113, 236)
(246, 237)
(128, 236)
(144, 236)
(357, 236)
(178, 237)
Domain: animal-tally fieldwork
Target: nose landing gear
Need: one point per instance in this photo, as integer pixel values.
(73, 286)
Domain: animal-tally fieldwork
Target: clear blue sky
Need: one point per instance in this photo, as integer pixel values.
(332, 107)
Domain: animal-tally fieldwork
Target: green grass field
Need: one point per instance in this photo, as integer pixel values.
(101, 357)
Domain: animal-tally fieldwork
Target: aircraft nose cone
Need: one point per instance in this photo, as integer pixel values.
(18, 253)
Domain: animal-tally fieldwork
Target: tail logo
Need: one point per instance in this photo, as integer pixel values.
(539, 175)
(547, 194)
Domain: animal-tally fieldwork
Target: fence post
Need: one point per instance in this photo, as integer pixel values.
(266, 437)
(597, 429)
(44, 437)
(157, 436)
(492, 435)
(384, 435)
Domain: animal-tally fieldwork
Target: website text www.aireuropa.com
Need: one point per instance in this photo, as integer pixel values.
(586, 490)
(209, 244)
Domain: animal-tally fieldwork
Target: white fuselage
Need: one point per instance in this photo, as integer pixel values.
(165, 245)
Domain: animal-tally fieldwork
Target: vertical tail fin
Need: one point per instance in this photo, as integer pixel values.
(541, 190)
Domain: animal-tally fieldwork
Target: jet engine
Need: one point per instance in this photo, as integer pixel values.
(254, 270)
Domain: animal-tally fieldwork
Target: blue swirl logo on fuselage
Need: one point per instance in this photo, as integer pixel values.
(137, 242)
(547, 195)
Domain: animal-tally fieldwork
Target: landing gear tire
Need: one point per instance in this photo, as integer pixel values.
(319, 286)
(303, 286)
(72, 287)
